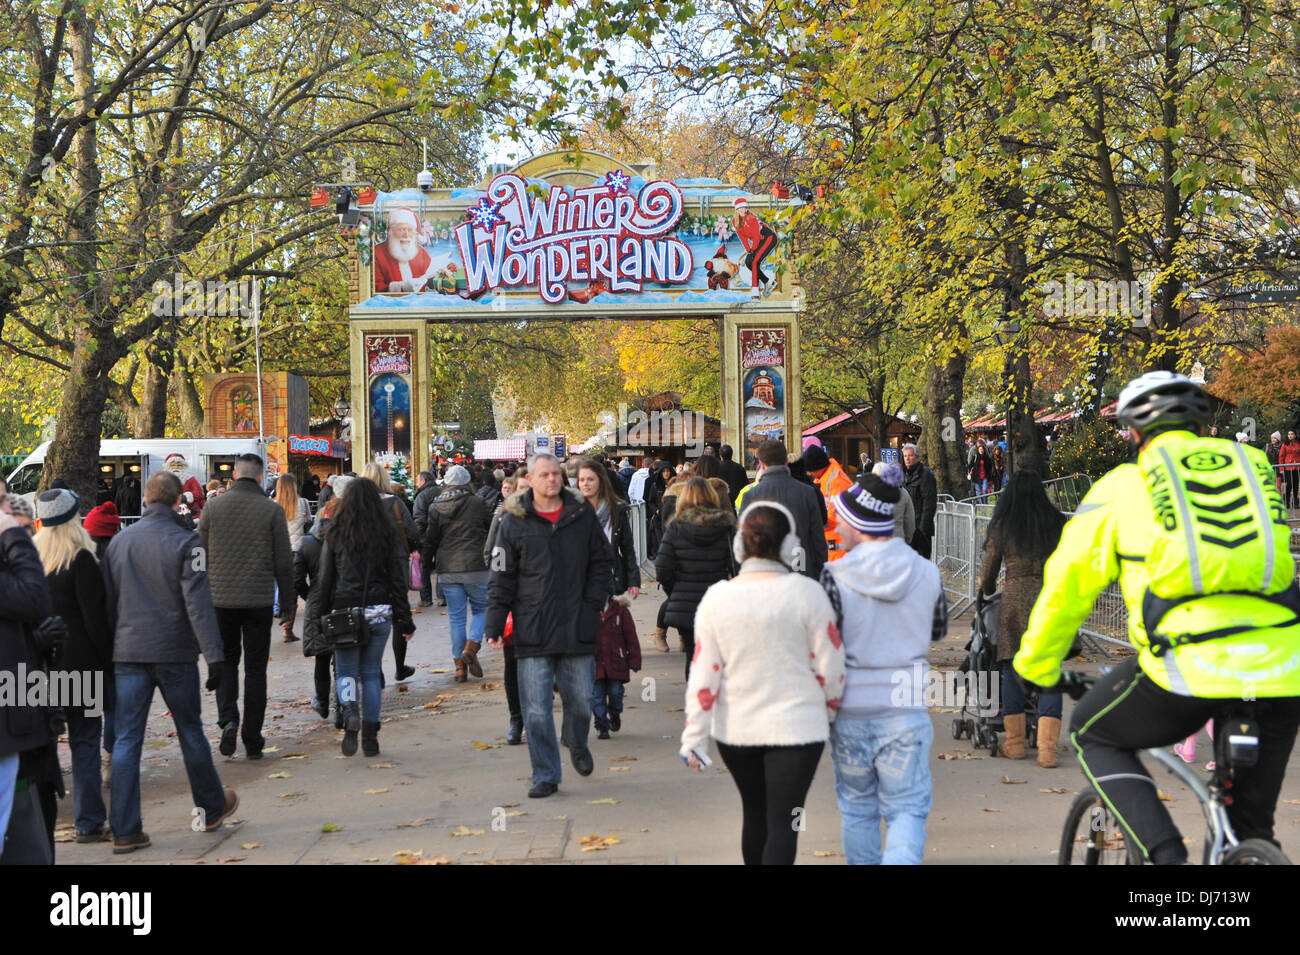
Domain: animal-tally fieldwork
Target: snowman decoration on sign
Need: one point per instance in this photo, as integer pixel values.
(192, 496)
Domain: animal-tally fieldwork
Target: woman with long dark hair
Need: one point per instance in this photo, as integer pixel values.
(595, 485)
(362, 565)
(1023, 531)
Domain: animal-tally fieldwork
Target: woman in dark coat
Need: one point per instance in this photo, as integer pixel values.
(1023, 531)
(695, 554)
(363, 565)
(594, 484)
(78, 596)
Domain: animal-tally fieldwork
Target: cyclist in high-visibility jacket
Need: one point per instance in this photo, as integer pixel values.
(1195, 533)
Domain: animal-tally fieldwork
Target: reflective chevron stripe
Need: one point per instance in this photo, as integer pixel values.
(1184, 514)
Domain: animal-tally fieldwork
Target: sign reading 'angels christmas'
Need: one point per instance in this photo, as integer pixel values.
(599, 234)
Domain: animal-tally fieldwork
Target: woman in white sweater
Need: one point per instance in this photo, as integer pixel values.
(767, 678)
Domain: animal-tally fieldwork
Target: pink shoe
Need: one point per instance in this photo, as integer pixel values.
(1184, 755)
(1209, 767)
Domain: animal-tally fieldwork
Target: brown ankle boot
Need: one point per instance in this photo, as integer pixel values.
(1049, 733)
(470, 658)
(661, 641)
(460, 676)
(1012, 745)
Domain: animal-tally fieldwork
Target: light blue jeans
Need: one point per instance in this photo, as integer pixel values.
(882, 769)
(458, 595)
(8, 781)
(358, 671)
(538, 677)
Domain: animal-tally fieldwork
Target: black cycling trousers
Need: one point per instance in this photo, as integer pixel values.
(1126, 711)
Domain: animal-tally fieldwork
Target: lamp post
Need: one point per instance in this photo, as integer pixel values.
(388, 395)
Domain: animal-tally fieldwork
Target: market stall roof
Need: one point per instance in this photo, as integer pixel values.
(501, 449)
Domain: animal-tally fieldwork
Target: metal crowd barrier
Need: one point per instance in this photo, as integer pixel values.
(640, 538)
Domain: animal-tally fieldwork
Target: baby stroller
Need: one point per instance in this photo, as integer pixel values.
(978, 720)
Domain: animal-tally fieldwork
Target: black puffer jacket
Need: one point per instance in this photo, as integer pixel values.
(339, 585)
(306, 572)
(694, 555)
(456, 530)
(623, 548)
(554, 578)
(24, 602)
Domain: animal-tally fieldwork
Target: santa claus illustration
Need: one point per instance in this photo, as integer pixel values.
(192, 496)
(400, 264)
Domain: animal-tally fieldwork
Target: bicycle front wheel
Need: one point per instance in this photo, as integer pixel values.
(1093, 836)
(1255, 852)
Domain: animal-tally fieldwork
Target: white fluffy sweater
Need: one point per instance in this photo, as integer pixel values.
(769, 665)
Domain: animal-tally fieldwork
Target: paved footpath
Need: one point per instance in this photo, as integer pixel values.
(445, 786)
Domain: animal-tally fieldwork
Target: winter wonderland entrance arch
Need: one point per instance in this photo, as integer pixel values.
(557, 239)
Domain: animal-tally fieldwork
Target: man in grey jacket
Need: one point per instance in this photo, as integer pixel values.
(246, 538)
(776, 483)
(161, 609)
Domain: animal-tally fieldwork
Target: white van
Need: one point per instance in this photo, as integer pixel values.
(124, 458)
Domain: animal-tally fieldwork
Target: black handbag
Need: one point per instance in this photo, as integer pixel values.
(346, 629)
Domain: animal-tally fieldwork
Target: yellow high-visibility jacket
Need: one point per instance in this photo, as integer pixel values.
(1231, 526)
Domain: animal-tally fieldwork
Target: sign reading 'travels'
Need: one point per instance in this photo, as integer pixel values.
(598, 234)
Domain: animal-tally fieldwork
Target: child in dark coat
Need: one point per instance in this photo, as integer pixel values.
(617, 652)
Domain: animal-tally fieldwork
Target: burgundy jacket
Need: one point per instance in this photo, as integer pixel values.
(617, 648)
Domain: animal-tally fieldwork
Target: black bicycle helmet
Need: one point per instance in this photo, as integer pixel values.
(1160, 400)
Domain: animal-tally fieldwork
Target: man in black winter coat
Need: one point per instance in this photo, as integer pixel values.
(918, 481)
(551, 568)
(732, 472)
(776, 483)
(426, 490)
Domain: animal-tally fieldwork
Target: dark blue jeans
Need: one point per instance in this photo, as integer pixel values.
(538, 676)
(606, 698)
(358, 669)
(84, 734)
(179, 683)
(1013, 696)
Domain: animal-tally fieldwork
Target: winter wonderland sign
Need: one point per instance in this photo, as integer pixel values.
(599, 234)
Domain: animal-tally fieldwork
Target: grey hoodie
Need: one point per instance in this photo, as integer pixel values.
(891, 604)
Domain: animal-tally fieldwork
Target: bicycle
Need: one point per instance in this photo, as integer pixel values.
(1090, 825)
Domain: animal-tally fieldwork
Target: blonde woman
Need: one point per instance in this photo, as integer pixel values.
(408, 536)
(296, 512)
(77, 595)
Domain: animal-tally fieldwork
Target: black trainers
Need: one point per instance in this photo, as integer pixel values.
(583, 762)
(515, 735)
(615, 722)
(405, 673)
(98, 834)
(602, 733)
(228, 734)
(542, 790)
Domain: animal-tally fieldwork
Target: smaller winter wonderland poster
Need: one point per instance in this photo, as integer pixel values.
(763, 378)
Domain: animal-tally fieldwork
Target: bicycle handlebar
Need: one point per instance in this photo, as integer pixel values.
(1075, 685)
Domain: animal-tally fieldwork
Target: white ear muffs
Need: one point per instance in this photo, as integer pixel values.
(791, 553)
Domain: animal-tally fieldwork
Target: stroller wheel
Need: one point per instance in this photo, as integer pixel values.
(957, 728)
(978, 735)
(993, 744)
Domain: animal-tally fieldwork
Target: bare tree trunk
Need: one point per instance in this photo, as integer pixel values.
(189, 407)
(1025, 451)
(942, 441)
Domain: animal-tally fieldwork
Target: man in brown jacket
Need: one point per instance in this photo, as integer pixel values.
(246, 544)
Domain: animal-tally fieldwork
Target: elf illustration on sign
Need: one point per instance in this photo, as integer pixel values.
(598, 234)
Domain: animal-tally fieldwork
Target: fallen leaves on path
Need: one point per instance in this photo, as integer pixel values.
(331, 827)
(466, 831)
(622, 759)
(1055, 789)
(251, 845)
(604, 802)
(479, 744)
(379, 765)
(271, 749)
(401, 854)
(441, 670)
(595, 843)
(294, 756)
(619, 769)
(1014, 782)
(824, 853)
(1164, 796)
(958, 756)
(432, 704)
(413, 824)
(288, 795)
(674, 709)
(280, 775)
(376, 792)
(403, 688)
(233, 859)
(991, 809)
